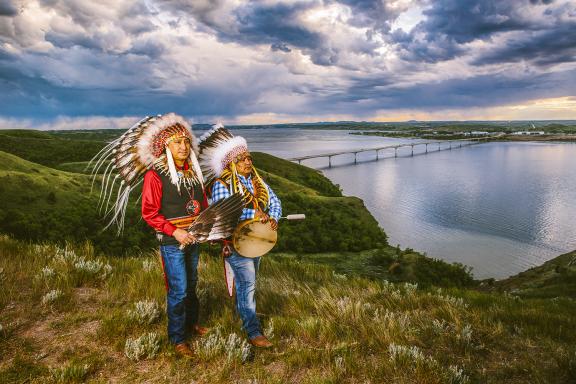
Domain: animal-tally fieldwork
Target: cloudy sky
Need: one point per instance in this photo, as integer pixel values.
(87, 64)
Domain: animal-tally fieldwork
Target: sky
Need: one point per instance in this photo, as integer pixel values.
(73, 64)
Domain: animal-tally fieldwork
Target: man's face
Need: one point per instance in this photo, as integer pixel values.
(244, 163)
(180, 149)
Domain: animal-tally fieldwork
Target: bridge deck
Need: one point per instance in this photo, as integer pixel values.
(395, 147)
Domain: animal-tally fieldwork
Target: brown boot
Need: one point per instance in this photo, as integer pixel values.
(261, 342)
(183, 350)
(200, 330)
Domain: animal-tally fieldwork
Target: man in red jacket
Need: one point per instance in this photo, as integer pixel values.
(172, 197)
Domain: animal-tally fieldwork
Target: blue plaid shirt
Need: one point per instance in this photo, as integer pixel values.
(220, 191)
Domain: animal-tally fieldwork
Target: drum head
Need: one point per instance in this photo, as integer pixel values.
(253, 239)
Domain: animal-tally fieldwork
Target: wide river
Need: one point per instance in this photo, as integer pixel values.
(498, 207)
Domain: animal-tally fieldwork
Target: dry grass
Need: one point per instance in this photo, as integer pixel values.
(326, 328)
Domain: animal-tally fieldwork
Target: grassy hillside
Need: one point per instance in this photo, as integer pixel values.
(69, 316)
(43, 203)
(43, 148)
(294, 172)
(555, 278)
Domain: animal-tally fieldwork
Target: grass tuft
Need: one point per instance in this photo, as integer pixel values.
(143, 347)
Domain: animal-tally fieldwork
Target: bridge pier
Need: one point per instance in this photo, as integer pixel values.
(329, 161)
(355, 159)
(395, 151)
(426, 148)
(412, 154)
(377, 154)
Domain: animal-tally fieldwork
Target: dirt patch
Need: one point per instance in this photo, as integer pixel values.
(276, 368)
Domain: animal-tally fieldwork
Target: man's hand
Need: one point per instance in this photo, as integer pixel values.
(274, 224)
(184, 237)
(262, 216)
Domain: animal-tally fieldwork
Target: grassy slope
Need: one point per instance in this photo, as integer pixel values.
(45, 203)
(42, 148)
(42, 203)
(555, 278)
(326, 328)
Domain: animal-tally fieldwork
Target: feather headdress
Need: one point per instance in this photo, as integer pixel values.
(218, 152)
(218, 148)
(142, 147)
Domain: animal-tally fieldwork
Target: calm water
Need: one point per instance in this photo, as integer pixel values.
(499, 207)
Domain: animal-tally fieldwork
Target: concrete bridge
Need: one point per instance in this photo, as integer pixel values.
(435, 146)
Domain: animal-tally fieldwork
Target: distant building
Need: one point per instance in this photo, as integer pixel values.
(520, 133)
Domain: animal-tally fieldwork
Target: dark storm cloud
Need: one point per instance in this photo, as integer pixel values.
(433, 49)
(122, 61)
(280, 47)
(449, 24)
(251, 23)
(7, 8)
(274, 25)
(465, 21)
(69, 40)
(31, 96)
(375, 14)
(475, 91)
(541, 48)
(546, 2)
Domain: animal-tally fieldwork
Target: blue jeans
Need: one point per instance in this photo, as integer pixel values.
(181, 272)
(245, 270)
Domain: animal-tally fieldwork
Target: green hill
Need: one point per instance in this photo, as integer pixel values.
(555, 278)
(43, 148)
(68, 316)
(43, 203)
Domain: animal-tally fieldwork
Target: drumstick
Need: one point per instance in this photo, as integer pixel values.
(296, 216)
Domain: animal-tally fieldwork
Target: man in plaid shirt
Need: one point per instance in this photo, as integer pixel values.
(245, 268)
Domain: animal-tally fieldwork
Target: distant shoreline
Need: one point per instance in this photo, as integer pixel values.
(507, 137)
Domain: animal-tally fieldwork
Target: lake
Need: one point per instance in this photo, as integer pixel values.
(499, 207)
